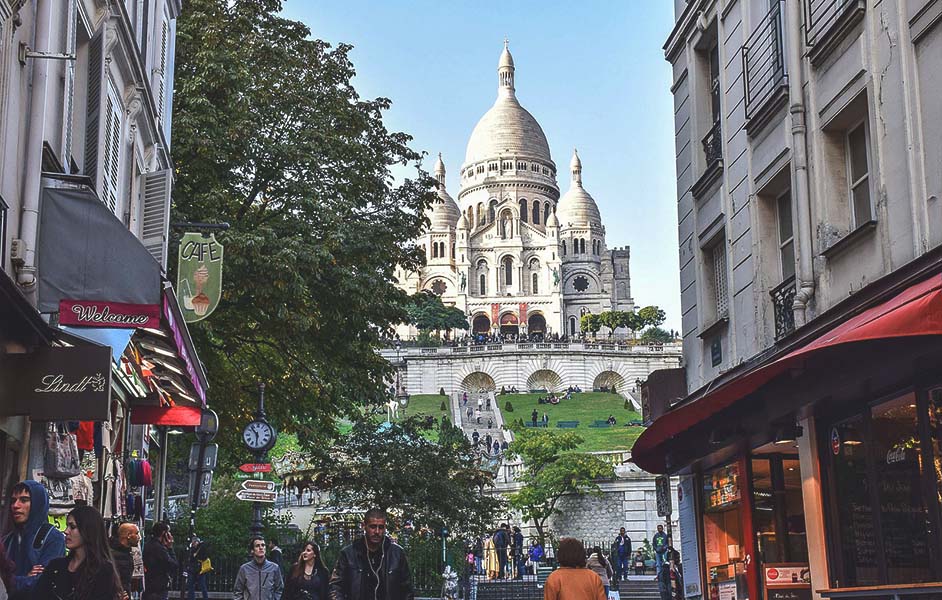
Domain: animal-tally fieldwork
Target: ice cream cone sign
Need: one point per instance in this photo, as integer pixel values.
(199, 275)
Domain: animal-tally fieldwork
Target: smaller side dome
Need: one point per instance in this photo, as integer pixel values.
(552, 221)
(443, 212)
(577, 208)
(463, 222)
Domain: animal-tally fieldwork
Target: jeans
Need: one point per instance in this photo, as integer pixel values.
(607, 588)
(502, 562)
(477, 565)
(621, 568)
(659, 558)
(194, 580)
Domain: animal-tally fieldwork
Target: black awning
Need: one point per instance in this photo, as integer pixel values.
(86, 253)
(19, 321)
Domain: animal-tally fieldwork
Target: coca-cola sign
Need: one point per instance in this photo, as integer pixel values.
(57, 384)
(90, 313)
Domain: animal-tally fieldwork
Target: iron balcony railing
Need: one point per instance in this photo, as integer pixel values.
(783, 297)
(713, 146)
(763, 57)
(822, 15)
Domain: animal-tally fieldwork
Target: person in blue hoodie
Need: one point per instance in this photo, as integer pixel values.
(34, 542)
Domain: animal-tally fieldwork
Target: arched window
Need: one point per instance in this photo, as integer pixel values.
(564, 247)
(523, 210)
(482, 285)
(572, 326)
(434, 250)
(535, 284)
(452, 250)
(546, 212)
(492, 211)
(536, 213)
(582, 246)
(480, 220)
(508, 270)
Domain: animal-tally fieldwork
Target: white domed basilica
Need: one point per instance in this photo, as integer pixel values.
(512, 253)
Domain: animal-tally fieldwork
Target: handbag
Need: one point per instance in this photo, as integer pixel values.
(206, 565)
(61, 457)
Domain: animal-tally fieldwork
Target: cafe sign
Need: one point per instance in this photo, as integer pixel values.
(199, 275)
(57, 384)
(87, 313)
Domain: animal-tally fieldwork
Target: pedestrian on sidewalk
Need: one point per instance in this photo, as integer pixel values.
(488, 403)
(639, 563)
(621, 553)
(258, 579)
(601, 567)
(196, 576)
(33, 542)
(536, 555)
(309, 576)
(517, 540)
(373, 566)
(572, 580)
(660, 548)
(534, 416)
(275, 554)
(501, 539)
(128, 537)
(160, 563)
(88, 572)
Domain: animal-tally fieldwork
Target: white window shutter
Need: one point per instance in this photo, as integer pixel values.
(162, 69)
(112, 156)
(155, 221)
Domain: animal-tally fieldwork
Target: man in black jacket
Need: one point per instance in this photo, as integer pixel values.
(160, 563)
(501, 541)
(373, 567)
(129, 536)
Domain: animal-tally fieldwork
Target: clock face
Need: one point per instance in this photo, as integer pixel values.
(258, 435)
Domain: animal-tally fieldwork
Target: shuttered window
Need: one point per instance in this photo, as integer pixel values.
(162, 68)
(155, 219)
(111, 163)
(93, 105)
(720, 284)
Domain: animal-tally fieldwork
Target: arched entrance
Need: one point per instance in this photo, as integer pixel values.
(509, 324)
(610, 381)
(481, 324)
(545, 379)
(536, 325)
(478, 381)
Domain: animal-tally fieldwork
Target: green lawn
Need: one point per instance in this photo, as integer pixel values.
(585, 407)
(427, 404)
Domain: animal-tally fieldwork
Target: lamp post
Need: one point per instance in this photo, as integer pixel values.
(401, 397)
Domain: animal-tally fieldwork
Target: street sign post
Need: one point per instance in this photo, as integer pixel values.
(256, 496)
(258, 485)
(209, 451)
(255, 468)
(663, 495)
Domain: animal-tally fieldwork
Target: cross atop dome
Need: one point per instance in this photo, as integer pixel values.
(440, 170)
(505, 72)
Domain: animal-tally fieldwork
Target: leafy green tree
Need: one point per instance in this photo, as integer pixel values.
(271, 136)
(552, 471)
(651, 316)
(590, 323)
(428, 313)
(397, 467)
(656, 335)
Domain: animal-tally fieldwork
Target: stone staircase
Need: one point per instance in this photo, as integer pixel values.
(489, 415)
(642, 587)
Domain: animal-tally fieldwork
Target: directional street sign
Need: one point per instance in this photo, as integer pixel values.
(254, 496)
(258, 485)
(256, 468)
(209, 456)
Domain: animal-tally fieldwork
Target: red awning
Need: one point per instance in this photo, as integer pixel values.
(169, 416)
(916, 311)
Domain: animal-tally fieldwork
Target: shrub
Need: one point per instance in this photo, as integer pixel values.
(503, 390)
(627, 404)
(509, 407)
(443, 408)
(613, 389)
(441, 392)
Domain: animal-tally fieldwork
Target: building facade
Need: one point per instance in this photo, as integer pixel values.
(85, 183)
(808, 185)
(511, 252)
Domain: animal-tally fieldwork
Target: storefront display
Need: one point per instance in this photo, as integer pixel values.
(883, 515)
(724, 531)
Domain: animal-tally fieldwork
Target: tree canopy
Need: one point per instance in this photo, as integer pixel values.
(428, 313)
(552, 471)
(396, 466)
(271, 136)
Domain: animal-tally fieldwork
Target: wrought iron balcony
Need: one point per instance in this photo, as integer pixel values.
(763, 57)
(713, 147)
(783, 297)
(824, 17)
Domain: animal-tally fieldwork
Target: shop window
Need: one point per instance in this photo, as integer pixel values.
(723, 537)
(786, 239)
(882, 510)
(778, 514)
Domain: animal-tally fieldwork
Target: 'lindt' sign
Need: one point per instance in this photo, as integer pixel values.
(89, 313)
(57, 384)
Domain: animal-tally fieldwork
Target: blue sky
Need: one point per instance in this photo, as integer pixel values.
(592, 73)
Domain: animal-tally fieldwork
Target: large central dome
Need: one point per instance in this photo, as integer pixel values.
(507, 129)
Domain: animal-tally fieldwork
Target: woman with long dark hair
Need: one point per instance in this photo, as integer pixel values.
(87, 573)
(309, 577)
(602, 568)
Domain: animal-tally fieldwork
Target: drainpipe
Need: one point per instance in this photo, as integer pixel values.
(796, 109)
(35, 134)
